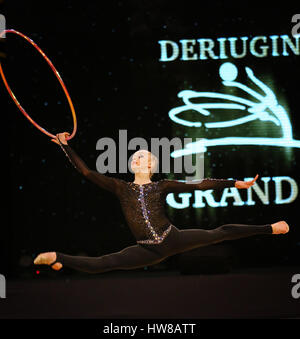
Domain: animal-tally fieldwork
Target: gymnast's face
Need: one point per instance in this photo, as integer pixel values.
(141, 162)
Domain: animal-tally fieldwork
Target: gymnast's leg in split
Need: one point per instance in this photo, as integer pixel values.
(177, 241)
(193, 238)
(131, 257)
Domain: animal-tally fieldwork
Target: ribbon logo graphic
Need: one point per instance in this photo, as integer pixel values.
(263, 107)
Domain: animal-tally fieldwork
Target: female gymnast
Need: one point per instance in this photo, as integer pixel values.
(142, 203)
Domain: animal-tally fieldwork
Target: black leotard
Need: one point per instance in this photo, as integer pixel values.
(144, 205)
(157, 238)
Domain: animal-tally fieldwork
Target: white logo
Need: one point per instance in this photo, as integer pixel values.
(263, 107)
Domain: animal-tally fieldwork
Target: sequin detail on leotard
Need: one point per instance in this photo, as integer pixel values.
(157, 238)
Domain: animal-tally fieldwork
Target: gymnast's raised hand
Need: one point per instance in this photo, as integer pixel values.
(62, 137)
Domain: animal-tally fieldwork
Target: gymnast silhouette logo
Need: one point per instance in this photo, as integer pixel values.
(264, 108)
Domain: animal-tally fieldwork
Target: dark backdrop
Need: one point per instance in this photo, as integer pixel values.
(108, 56)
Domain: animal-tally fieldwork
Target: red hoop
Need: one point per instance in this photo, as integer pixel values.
(59, 79)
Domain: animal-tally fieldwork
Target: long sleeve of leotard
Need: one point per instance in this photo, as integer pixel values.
(103, 181)
(190, 186)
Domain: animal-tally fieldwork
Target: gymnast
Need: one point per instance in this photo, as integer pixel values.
(142, 203)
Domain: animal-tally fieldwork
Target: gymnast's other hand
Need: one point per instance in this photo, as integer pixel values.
(245, 184)
(62, 138)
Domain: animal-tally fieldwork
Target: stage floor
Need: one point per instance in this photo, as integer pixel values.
(252, 293)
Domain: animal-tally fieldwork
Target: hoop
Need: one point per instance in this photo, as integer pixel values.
(57, 76)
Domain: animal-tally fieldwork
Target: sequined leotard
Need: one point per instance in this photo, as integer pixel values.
(144, 209)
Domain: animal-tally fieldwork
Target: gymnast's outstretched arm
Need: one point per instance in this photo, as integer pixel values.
(204, 184)
(190, 186)
(103, 181)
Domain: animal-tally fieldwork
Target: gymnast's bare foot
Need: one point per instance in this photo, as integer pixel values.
(280, 227)
(46, 259)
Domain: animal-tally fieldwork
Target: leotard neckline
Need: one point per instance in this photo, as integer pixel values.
(148, 183)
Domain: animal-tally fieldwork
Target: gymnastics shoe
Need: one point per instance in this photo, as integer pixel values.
(280, 227)
(48, 258)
